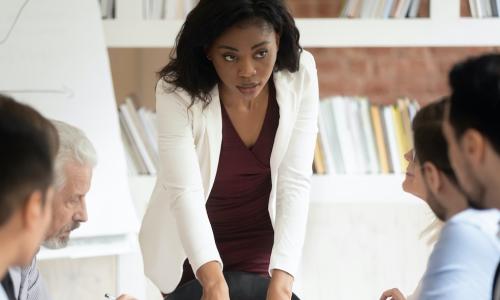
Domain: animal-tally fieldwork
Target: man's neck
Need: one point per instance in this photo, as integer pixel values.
(455, 201)
(492, 184)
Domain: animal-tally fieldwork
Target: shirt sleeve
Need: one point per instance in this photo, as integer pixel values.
(462, 265)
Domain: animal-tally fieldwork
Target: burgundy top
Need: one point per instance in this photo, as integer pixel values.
(238, 203)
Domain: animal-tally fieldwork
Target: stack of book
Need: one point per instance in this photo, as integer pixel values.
(167, 9)
(382, 9)
(139, 132)
(356, 137)
(484, 8)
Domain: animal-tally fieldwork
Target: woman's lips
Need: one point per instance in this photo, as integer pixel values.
(248, 88)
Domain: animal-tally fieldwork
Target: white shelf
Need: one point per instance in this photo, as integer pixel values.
(346, 189)
(332, 32)
(360, 189)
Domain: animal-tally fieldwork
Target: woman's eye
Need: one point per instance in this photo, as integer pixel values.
(229, 57)
(261, 54)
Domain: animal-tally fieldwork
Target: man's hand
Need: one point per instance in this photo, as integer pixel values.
(213, 282)
(392, 294)
(280, 287)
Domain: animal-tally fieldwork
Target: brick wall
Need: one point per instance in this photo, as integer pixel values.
(383, 74)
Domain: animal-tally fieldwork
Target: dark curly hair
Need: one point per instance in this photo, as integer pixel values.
(475, 98)
(189, 67)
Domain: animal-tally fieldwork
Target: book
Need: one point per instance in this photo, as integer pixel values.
(333, 137)
(388, 8)
(369, 137)
(319, 166)
(107, 9)
(368, 8)
(326, 128)
(414, 8)
(401, 9)
(401, 142)
(133, 127)
(141, 130)
(131, 148)
(486, 4)
(403, 105)
(473, 8)
(359, 144)
(390, 130)
(378, 129)
(349, 154)
(495, 6)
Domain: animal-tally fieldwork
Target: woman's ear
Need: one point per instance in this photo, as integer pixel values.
(431, 177)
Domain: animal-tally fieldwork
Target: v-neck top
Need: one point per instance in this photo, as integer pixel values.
(237, 206)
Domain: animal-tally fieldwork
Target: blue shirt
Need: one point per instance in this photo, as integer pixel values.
(463, 263)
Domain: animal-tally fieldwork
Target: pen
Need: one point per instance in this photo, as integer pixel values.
(108, 296)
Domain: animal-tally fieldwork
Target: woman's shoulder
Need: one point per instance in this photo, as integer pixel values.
(307, 69)
(306, 60)
(166, 89)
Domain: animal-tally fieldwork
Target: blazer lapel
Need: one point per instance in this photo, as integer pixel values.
(286, 98)
(213, 125)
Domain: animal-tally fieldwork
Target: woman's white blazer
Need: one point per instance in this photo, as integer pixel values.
(176, 224)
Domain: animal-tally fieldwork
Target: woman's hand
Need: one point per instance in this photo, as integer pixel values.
(280, 287)
(213, 282)
(392, 294)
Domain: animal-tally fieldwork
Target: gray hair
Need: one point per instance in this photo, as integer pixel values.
(74, 146)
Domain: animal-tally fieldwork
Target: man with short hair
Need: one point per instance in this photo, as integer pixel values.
(28, 143)
(472, 131)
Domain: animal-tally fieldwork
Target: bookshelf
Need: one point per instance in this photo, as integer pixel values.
(332, 32)
(444, 27)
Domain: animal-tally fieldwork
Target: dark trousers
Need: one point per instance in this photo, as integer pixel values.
(242, 286)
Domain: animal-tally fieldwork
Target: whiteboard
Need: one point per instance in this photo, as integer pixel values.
(55, 59)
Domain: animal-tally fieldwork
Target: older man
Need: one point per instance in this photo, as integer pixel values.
(74, 163)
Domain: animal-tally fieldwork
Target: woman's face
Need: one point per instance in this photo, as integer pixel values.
(414, 183)
(244, 57)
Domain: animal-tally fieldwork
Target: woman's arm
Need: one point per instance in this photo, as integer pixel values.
(294, 179)
(181, 182)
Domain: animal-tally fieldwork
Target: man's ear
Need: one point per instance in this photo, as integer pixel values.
(32, 210)
(473, 146)
(432, 177)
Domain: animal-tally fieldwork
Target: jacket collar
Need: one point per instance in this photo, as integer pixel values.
(286, 99)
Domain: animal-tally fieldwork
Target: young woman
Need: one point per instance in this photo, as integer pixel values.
(237, 119)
